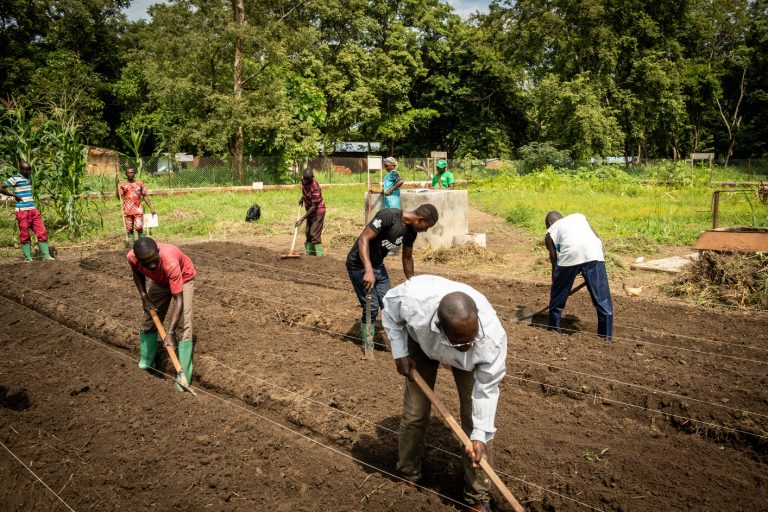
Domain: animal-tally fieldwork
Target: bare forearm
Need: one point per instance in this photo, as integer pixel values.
(408, 268)
(395, 187)
(141, 283)
(362, 249)
(408, 262)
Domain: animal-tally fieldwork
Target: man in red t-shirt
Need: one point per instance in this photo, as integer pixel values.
(312, 199)
(172, 276)
(132, 193)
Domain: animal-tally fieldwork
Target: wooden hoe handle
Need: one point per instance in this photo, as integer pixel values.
(459, 433)
(171, 353)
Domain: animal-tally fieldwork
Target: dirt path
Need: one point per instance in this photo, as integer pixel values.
(670, 416)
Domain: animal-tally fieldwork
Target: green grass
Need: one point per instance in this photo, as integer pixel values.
(632, 217)
(196, 215)
(629, 215)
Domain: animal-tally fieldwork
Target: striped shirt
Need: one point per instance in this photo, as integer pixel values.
(313, 196)
(22, 187)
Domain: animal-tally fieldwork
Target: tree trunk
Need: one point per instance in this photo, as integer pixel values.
(732, 124)
(236, 148)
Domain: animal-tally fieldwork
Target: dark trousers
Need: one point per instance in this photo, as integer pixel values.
(314, 228)
(597, 283)
(380, 289)
(415, 419)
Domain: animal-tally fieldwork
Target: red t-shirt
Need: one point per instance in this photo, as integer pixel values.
(173, 270)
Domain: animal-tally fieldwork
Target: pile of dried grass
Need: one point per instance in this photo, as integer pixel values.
(343, 240)
(462, 255)
(733, 279)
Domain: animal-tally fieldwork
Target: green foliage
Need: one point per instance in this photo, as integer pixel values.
(67, 85)
(51, 143)
(572, 115)
(631, 217)
(594, 78)
(675, 173)
(64, 176)
(539, 154)
(519, 215)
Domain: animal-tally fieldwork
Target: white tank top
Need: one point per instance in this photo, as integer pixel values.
(575, 241)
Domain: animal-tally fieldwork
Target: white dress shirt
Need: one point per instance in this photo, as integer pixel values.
(410, 309)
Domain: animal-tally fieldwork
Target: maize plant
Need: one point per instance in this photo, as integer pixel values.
(50, 142)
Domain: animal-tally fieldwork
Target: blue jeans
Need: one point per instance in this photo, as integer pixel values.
(380, 289)
(597, 284)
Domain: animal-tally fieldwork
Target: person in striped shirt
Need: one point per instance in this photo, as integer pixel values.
(312, 199)
(27, 215)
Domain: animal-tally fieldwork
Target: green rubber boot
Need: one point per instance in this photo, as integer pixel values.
(43, 246)
(319, 251)
(309, 247)
(26, 249)
(185, 359)
(128, 240)
(141, 234)
(147, 349)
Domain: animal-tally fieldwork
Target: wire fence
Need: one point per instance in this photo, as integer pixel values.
(188, 171)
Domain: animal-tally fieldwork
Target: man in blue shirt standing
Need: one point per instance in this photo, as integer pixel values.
(392, 183)
(27, 214)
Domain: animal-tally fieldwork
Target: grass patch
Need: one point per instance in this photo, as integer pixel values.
(630, 216)
(188, 216)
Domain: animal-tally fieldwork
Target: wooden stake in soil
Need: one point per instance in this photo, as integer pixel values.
(291, 253)
(183, 382)
(459, 433)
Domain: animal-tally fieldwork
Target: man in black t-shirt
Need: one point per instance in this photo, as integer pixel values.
(387, 231)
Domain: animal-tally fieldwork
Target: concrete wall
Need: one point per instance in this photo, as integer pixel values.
(453, 211)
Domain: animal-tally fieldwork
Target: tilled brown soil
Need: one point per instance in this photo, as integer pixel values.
(672, 415)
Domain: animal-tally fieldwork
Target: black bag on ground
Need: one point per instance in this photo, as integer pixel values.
(254, 213)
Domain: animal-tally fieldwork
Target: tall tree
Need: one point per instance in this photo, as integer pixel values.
(219, 72)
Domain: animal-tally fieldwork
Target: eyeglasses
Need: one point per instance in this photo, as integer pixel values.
(468, 344)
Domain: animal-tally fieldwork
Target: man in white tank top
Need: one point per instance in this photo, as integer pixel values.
(575, 248)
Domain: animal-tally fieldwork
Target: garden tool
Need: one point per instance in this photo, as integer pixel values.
(367, 329)
(525, 315)
(128, 241)
(291, 253)
(464, 439)
(181, 378)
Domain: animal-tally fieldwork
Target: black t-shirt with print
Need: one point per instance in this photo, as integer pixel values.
(391, 232)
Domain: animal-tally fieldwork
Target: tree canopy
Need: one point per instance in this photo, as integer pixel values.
(252, 77)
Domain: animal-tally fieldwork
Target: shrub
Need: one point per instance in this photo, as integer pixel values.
(520, 215)
(538, 154)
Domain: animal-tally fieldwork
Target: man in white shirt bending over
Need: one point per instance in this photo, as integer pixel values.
(430, 320)
(575, 248)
